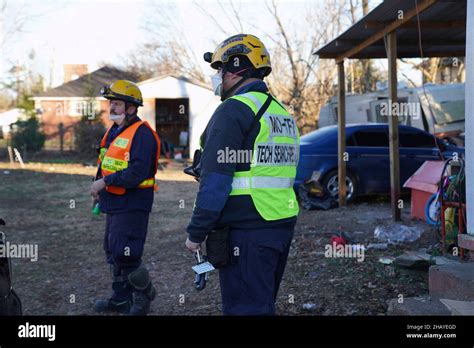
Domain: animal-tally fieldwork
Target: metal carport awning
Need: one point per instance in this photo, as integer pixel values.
(391, 30)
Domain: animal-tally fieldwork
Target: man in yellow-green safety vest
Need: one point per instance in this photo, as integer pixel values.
(246, 206)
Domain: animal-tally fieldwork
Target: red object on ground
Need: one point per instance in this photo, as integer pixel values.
(338, 240)
(423, 184)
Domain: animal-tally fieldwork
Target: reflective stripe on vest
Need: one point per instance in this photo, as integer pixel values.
(116, 156)
(264, 182)
(275, 155)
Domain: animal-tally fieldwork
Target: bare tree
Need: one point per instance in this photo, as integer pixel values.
(461, 72)
(234, 23)
(367, 67)
(432, 68)
(429, 68)
(167, 50)
(14, 17)
(12, 23)
(300, 79)
(362, 74)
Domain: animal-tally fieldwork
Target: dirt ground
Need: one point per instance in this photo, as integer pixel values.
(48, 205)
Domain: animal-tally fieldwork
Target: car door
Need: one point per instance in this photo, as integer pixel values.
(416, 147)
(369, 159)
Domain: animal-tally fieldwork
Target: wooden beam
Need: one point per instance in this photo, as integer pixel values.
(393, 126)
(341, 138)
(401, 54)
(383, 54)
(414, 24)
(412, 42)
(423, 5)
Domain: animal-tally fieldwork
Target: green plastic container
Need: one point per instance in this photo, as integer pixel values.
(96, 209)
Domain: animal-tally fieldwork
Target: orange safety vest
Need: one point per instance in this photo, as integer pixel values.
(117, 155)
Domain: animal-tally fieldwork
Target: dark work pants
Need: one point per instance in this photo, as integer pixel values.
(124, 240)
(249, 285)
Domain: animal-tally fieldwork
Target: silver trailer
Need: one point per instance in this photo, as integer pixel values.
(438, 109)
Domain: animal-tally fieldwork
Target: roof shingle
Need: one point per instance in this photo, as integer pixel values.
(89, 85)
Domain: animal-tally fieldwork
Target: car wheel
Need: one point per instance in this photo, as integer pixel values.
(331, 185)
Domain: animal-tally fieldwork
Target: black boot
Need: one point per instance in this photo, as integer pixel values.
(111, 305)
(121, 300)
(142, 301)
(143, 291)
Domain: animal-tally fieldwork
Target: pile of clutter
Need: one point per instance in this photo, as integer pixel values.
(314, 197)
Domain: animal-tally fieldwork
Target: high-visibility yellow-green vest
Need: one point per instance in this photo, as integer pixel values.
(275, 155)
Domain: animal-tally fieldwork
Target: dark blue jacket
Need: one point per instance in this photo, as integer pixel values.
(140, 167)
(228, 127)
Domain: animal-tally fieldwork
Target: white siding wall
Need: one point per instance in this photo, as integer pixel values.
(469, 114)
(202, 103)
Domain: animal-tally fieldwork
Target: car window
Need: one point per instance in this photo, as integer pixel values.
(350, 141)
(409, 138)
(371, 138)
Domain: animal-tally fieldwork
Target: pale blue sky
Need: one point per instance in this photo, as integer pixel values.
(94, 31)
(69, 32)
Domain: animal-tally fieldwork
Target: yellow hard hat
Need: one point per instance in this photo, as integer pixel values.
(123, 90)
(241, 44)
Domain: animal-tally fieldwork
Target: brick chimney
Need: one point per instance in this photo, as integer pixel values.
(74, 71)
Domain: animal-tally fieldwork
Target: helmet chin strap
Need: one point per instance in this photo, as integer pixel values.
(127, 105)
(245, 77)
(129, 117)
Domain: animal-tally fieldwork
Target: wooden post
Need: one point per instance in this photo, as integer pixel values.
(10, 154)
(61, 137)
(393, 126)
(341, 122)
(18, 157)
